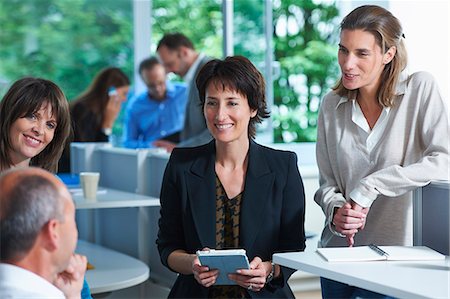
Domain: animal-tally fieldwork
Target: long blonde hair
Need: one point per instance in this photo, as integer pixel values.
(388, 32)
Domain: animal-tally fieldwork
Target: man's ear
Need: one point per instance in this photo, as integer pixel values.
(184, 51)
(389, 55)
(50, 235)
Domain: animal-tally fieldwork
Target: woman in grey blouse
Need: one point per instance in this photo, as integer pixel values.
(381, 134)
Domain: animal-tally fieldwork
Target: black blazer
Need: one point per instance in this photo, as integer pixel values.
(272, 211)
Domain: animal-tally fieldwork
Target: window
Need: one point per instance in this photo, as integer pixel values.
(64, 41)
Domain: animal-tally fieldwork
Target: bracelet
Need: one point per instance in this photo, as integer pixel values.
(271, 274)
(107, 131)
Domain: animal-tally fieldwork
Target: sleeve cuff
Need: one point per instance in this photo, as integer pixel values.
(363, 196)
(331, 226)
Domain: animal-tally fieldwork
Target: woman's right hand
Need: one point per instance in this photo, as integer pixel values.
(202, 274)
(348, 221)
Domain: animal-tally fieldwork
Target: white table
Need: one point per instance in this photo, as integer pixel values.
(113, 270)
(412, 279)
(110, 198)
(125, 222)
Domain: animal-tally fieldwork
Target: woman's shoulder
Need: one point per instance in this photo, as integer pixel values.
(331, 99)
(79, 108)
(421, 78)
(189, 154)
(275, 154)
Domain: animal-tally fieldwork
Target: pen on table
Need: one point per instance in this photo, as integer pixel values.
(378, 250)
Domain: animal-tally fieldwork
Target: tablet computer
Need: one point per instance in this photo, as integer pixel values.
(226, 261)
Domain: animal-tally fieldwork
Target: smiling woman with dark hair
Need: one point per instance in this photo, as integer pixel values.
(34, 124)
(231, 193)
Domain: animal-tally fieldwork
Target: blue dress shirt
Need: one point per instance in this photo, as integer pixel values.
(147, 119)
(86, 291)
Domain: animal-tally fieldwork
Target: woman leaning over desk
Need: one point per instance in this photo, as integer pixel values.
(34, 126)
(381, 134)
(231, 192)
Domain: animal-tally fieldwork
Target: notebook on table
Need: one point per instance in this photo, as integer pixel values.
(379, 253)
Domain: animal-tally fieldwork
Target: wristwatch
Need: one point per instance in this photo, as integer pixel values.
(107, 131)
(271, 274)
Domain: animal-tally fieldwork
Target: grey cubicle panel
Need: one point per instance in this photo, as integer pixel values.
(119, 229)
(132, 231)
(150, 184)
(432, 216)
(120, 167)
(84, 156)
(152, 172)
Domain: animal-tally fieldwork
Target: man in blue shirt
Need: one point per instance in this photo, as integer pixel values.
(157, 113)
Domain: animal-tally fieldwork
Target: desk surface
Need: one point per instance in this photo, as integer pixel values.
(110, 198)
(411, 279)
(113, 270)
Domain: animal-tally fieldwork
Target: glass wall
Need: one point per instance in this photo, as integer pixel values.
(201, 21)
(67, 41)
(305, 39)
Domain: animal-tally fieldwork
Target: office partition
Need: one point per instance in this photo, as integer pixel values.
(84, 156)
(432, 216)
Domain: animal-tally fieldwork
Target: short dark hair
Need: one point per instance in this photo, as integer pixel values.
(239, 74)
(175, 40)
(24, 97)
(148, 64)
(25, 208)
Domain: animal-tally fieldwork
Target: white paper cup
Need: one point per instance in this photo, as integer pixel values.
(89, 183)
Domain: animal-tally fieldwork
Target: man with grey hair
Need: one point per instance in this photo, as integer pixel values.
(38, 236)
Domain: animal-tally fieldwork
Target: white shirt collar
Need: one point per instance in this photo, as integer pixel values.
(359, 119)
(400, 88)
(18, 282)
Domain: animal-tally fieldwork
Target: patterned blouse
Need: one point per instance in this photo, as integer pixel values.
(227, 236)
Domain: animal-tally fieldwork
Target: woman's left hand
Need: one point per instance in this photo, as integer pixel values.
(111, 112)
(253, 279)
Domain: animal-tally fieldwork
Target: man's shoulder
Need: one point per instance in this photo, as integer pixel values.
(205, 59)
(179, 86)
(11, 284)
(138, 99)
(176, 90)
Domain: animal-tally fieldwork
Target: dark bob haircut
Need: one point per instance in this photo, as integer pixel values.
(236, 73)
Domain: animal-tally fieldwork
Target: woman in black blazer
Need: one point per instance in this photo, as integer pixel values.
(231, 193)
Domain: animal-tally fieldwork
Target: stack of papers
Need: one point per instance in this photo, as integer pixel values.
(380, 253)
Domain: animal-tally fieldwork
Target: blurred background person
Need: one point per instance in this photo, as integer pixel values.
(179, 56)
(231, 193)
(96, 109)
(157, 113)
(38, 236)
